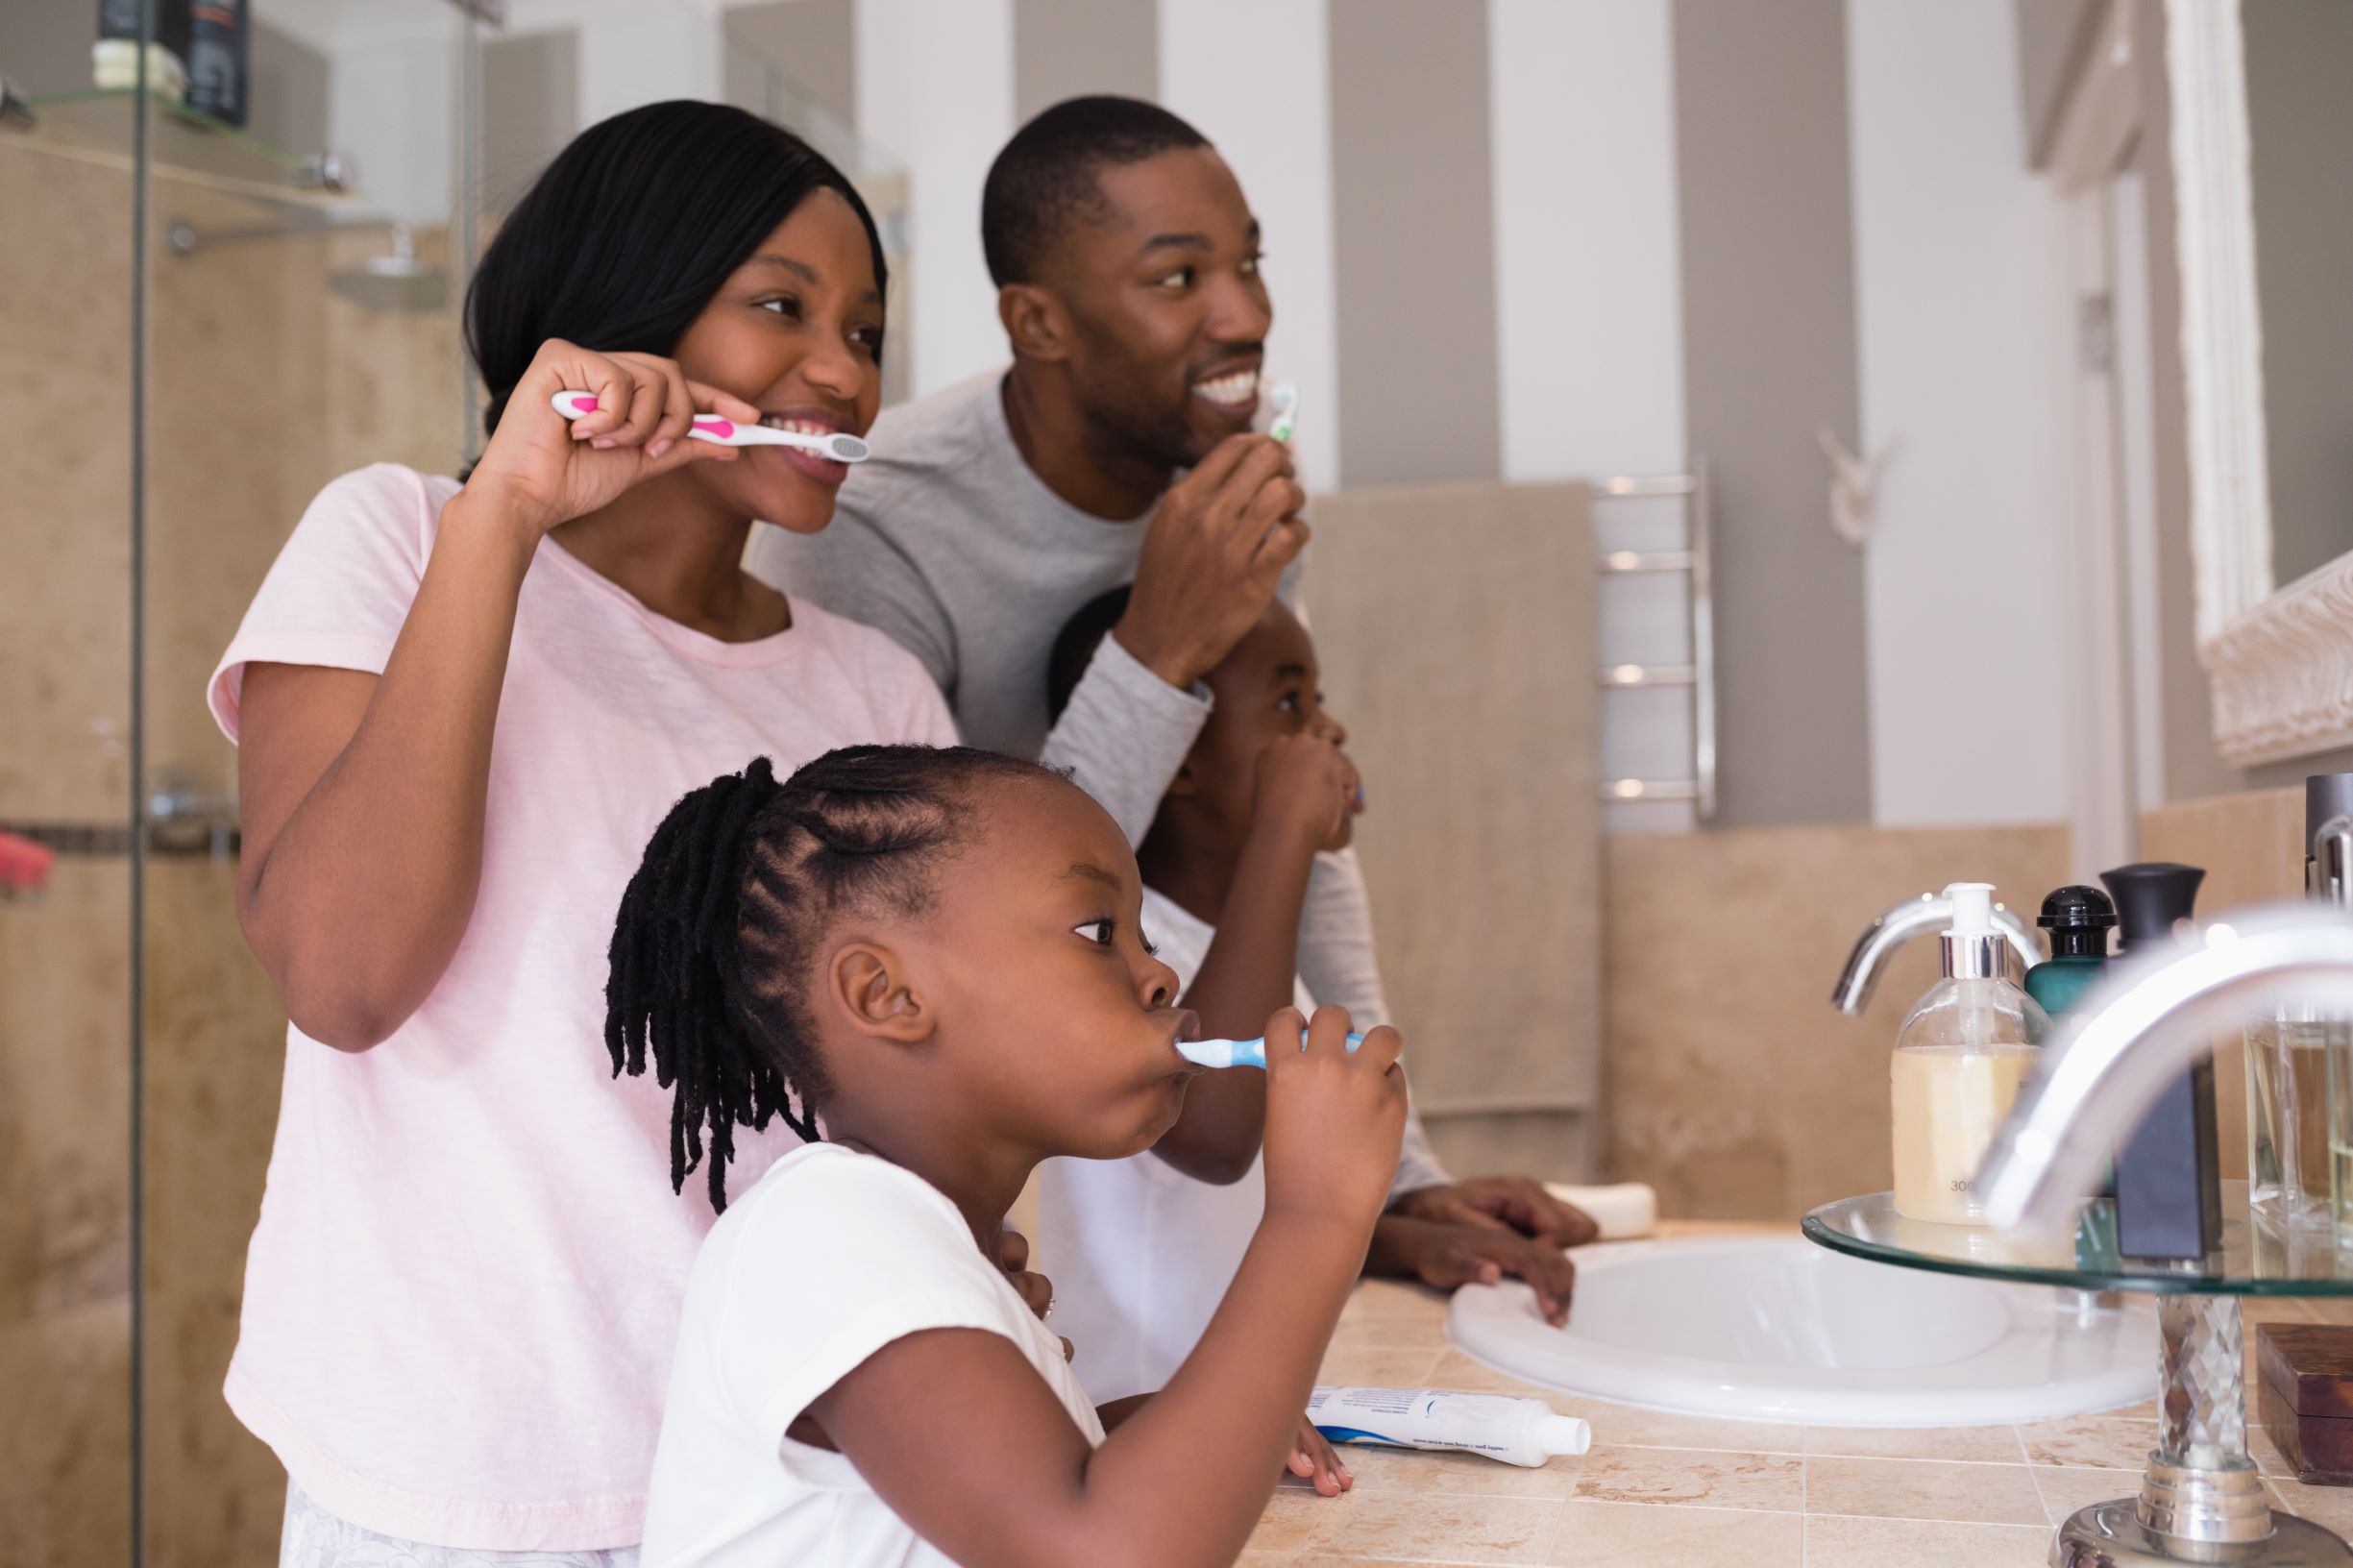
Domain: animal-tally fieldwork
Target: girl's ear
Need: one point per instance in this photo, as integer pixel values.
(1034, 323)
(867, 986)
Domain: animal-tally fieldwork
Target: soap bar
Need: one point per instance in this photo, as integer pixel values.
(1627, 1210)
(2307, 1402)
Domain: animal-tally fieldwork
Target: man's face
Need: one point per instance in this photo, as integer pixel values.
(1168, 311)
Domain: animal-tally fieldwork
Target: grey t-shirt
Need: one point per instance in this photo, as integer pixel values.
(946, 540)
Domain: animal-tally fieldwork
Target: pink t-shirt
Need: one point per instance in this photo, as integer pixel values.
(463, 1292)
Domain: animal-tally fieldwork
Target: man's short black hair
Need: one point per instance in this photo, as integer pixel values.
(1045, 179)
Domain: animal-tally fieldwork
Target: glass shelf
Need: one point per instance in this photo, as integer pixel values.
(98, 125)
(2254, 1261)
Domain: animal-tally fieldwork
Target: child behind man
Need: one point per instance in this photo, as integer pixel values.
(1140, 1252)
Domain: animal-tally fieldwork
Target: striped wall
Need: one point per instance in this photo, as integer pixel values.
(1543, 239)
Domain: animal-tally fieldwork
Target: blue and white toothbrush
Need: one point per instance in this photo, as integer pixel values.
(1235, 1053)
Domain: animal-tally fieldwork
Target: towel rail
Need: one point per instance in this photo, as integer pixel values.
(1694, 563)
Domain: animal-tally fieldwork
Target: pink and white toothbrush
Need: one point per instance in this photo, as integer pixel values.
(840, 446)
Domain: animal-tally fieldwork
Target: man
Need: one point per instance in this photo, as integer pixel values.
(1126, 261)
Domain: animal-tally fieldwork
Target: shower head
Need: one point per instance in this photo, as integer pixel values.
(395, 280)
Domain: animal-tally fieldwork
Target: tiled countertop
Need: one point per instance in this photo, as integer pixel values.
(1695, 1492)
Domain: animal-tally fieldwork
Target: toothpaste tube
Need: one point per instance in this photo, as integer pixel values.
(1515, 1431)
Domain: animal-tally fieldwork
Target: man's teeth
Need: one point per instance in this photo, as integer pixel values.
(1238, 387)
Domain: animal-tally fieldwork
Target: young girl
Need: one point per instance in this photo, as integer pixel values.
(460, 712)
(936, 954)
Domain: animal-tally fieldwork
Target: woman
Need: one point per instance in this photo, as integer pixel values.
(460, 712)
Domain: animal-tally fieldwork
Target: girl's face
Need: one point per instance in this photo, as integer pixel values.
(1058, 1027)
(796, 332)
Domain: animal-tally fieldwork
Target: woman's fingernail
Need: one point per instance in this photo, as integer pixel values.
(601, 442)
(660, 447)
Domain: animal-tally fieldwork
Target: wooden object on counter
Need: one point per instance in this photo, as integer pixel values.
(2307, 1402)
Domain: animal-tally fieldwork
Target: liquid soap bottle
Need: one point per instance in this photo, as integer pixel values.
(2169, 1190)
(2294, 1049)
(1960, 1058)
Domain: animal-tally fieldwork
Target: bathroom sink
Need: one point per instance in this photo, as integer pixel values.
(1775, 1327)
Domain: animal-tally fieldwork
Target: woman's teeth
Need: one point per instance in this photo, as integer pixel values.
(801, 426)
(1239, 387)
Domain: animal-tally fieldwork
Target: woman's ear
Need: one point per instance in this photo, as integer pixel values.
(1034, 323)
(867, 987)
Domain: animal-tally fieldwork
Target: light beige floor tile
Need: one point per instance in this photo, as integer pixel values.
(1454, 1529)
(1456, 1370)
(1412, 1473)
(1632, 1535)
(1378, 1367)
(2095, 1441)
(1975, 1445)
(1397, 1301)
(1986, 1494)
(1713, 1479)
(2329, 1506)
(1878, 1543)
(2066, 1489)
(1622, 1426)
(1251, 1558)
(1289, 1520)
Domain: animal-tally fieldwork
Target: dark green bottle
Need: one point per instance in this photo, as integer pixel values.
(2079, 919)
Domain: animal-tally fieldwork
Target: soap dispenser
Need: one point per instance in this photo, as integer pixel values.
(2079, 919)
(1960, 1058)
(2169, 1190)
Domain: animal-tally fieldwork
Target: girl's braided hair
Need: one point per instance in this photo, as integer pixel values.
(717, 930)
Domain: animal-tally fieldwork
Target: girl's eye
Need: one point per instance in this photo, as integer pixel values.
(1098, 932)
(1288, 702)
(1251, 264)
(1151, 948)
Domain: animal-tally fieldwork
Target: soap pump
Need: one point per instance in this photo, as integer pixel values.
(2169, 1191)
(2293, 1048)
(1960, 1058)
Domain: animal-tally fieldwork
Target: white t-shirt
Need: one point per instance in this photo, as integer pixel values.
(1139, 1253)
(462, 1291)
(831, 1256)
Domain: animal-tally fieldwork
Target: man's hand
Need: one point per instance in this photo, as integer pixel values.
(1515, 1204)
(1445, 1256)
(1212, 554)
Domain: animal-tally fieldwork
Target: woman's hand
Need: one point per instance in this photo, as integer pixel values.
(543, 470)
(1333, 1119)
(1313, 1459)
(1515, 1204)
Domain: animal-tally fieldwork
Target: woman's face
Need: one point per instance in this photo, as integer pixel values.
(796, 332)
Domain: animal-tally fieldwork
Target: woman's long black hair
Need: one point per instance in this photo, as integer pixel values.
(728, 911)
(624, 239)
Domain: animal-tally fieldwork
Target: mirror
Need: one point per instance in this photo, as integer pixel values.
(2262, 134)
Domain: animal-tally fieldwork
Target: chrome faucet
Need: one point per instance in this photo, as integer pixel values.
(1929, 912)
(2144, 1025)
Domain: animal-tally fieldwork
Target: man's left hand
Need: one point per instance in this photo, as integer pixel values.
(1504, 1203)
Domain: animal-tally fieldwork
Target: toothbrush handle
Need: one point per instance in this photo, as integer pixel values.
(1252, 1053)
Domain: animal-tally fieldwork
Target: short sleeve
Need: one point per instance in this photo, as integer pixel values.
(841, 1256)
(339, 592)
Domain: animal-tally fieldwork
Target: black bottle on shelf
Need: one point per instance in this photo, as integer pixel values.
(2169, 1190)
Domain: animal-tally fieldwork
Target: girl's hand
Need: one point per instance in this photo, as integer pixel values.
(545, 470)
(1333, 1119)
(1305, 784)
(1313, 1459)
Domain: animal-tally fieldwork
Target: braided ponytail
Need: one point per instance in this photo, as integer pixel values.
(718, 927)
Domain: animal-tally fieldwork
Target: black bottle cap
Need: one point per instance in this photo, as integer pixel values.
(2079, 919)
(2150, 897)
(2326, 797)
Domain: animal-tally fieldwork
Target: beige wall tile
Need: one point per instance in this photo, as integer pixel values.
(1876, 1543)
(1676, 1476)
(1630, 1535)
(65, 1437)
(1734, 1089)
(1988, 1494)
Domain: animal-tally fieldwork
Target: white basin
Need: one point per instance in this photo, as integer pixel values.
(1777, 1328)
